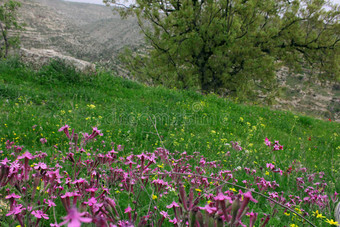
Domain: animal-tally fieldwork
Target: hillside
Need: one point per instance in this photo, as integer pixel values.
(86, 31)
(93, 33)
(135, 118)
(123, 107)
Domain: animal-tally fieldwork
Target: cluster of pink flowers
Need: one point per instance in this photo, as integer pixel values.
(88, 191)
(276, 145)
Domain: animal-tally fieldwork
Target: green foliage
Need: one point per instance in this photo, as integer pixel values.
(185, 120)
(59, 71)
(233, 46)
(9, 26)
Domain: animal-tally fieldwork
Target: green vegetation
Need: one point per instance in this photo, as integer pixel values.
(58, 95)
(233, 47)
(35, 104)
(8, 25)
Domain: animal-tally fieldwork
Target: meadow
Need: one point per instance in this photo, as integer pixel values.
(105, 150)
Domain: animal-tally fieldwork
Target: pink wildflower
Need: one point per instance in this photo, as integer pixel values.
(65, 129)
(43, 140)
(173, 204)
(74, 218)
(209, 209)
(91, 202)
(40, 165)
(16, 210)
(39, 214)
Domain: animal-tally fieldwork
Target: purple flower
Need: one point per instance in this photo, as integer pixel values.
(27, 156)
(164, 214)
(79, 181)
(95, 132)
(74, 218)
(69, 194)
(209, 209)
(91, 189)
(248, 196)
(92, 202)
(120, 147)
(50, 203)
(40, 165)
(270, 166)
(39, 214)
(334, 196)
(65, 199)
(128, 210)
(175, 221)
(222, 197)
(253, 217)
(173, 204)
(13, 196)
(65, 129)
(14, 167)
(16, 210)
(5, 161)
(43, 140)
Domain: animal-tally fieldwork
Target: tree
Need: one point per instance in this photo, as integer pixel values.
(234, 46)
(8, 24)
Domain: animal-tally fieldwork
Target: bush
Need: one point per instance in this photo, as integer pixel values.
(59, 71)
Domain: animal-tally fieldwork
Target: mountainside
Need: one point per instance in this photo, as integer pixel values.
(86, 31)
(93, 33)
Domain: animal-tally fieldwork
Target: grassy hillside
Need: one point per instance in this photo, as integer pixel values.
(35, 105)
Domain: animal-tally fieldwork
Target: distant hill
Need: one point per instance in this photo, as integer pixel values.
(86, 31)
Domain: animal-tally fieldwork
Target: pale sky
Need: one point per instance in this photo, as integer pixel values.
(101, 1)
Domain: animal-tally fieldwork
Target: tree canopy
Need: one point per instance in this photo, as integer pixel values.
(8, 24)
(233, 46)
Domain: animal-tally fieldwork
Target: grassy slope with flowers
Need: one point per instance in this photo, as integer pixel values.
(34, 105)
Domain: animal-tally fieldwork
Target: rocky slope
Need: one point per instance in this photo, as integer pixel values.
(86, 31)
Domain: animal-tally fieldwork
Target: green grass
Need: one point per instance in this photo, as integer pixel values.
(186, 121)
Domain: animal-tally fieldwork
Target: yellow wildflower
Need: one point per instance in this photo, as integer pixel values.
(232, 189)
(332, 222)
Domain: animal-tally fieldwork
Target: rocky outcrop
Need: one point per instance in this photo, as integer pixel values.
(40, 57)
